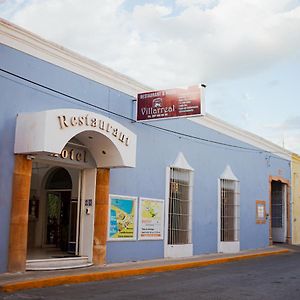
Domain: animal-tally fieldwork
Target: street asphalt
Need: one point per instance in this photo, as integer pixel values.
(272, 277)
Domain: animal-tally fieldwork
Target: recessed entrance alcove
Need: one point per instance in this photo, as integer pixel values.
(65, 156)
(57, 216)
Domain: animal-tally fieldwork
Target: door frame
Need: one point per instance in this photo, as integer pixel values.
(287, 205)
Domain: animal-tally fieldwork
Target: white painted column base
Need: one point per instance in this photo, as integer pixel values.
(229, 247)
(173, 251)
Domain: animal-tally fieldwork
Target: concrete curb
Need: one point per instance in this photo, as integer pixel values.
(105, 275)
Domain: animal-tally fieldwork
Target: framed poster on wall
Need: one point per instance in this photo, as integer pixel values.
(151, 219)
(122, 218)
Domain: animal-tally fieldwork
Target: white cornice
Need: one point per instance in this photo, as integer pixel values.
(25, 41)
(242, 135)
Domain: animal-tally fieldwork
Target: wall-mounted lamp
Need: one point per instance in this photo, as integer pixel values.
(30, 157)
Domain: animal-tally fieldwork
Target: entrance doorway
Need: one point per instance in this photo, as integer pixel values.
(279, 223)
(54, 213)
(61, 221)
(61, 212)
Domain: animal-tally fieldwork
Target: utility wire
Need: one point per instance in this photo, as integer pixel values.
(134, 121)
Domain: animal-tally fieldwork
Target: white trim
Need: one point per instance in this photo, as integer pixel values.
(241, 135)
(134, 198)
(229, 247)
(226, 247)
(162, 213)
(191, 207)
(228, 174)
(88, 191)
(177, 251)
(45, 132)
(185, 250)
(219, 216)
(167, 192)
(181, 163)
(32, 44)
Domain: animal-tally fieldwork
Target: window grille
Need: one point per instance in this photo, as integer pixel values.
(230, 210)
(277, 204)
(179, 224)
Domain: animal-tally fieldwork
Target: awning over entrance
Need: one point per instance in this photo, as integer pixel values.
(110, 143)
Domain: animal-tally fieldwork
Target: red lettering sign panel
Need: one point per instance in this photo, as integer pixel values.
(171, 103)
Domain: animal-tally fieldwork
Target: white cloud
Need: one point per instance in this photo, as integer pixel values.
(292, 142)
(288, 141)
(285, 134)
(289, 124)
(204, 4)
(166, 44)
(229, 40)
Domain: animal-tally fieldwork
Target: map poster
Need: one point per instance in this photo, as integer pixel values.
(122, 218)
(151, 219)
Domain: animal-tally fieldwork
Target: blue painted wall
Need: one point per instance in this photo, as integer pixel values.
(155, 151)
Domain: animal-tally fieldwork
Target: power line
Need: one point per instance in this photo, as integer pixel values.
(134, 121)
(64, 94)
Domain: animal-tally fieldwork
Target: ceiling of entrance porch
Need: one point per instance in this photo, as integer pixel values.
(104, 152)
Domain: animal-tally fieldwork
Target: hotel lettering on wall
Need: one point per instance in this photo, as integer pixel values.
(92, 122)
(74, 155)
(172, 103)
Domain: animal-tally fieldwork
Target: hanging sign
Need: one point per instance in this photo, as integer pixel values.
(172, 103)
(151, 219)
(122, 218)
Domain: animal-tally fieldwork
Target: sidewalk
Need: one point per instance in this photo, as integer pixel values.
(39, 279)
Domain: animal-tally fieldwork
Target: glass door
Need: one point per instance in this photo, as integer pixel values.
(53, 232)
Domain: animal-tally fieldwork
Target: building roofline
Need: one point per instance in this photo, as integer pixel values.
(245, 136)
(23, 40)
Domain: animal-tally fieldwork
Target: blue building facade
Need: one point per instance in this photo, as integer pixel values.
(218, 163)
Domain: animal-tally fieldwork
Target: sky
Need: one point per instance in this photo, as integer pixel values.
(247, 52)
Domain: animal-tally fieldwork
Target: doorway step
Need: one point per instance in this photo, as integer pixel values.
(57, 263)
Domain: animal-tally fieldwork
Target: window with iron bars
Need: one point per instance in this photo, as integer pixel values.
(230, 210)
(179, 221)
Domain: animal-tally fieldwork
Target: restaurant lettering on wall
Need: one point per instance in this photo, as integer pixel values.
(95, 123)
